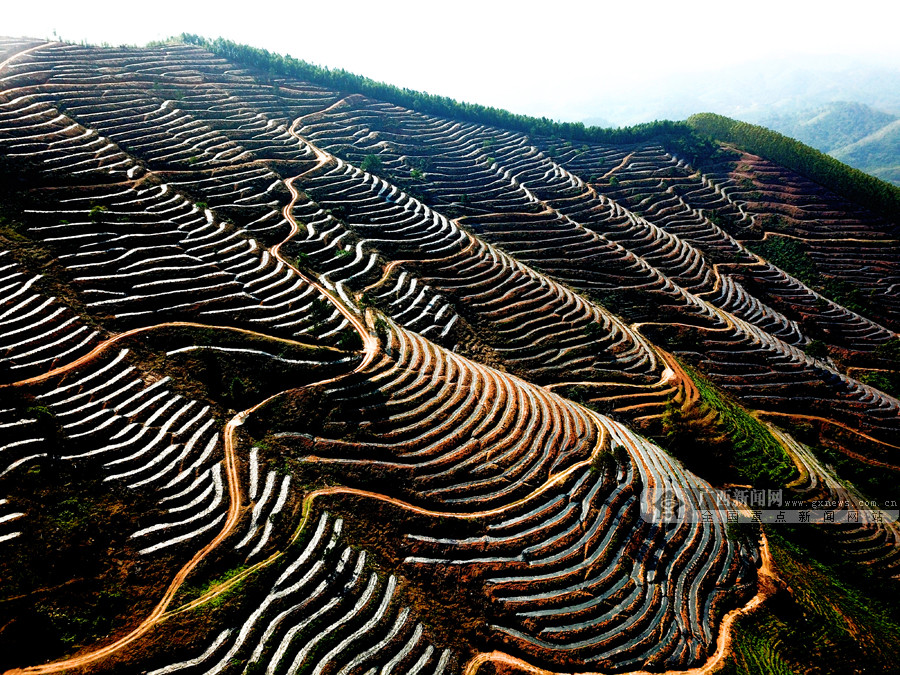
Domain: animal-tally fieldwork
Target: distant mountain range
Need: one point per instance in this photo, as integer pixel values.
(848, 108)
(854, 133)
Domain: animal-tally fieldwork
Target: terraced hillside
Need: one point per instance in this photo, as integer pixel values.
(297, 379)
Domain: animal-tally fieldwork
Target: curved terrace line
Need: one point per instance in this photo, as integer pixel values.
(371, 348)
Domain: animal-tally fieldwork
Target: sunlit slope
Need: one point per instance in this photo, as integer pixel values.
(289, 360)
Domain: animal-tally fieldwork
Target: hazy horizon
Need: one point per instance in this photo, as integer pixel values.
(619, 64)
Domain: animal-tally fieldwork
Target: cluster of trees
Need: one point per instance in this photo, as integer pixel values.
(676, 137)
(792, 256)
(852, 183)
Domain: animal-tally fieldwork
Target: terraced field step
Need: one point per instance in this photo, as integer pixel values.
(328, 612)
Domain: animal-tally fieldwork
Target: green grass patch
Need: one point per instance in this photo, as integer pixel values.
(875, 482)
(718, 439)
(830, 617)
(190, 592)
(887, 381)
(753, 651)
(793, 257)
(790, 255)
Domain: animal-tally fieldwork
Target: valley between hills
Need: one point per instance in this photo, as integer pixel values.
(303, 373)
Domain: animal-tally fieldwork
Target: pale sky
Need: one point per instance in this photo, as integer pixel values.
(540, 58)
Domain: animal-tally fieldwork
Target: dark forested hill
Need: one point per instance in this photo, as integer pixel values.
(306, 373)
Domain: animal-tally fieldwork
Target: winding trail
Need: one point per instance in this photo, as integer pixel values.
(673, 375)
(713, 663)
(234, 513)
(723, 641)
(763, 413)
(118, 337)
(717, 284)
(767, 577)
(308, 500)
(394, 263)
(836, 240)
(618, 166)
(371, 348)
